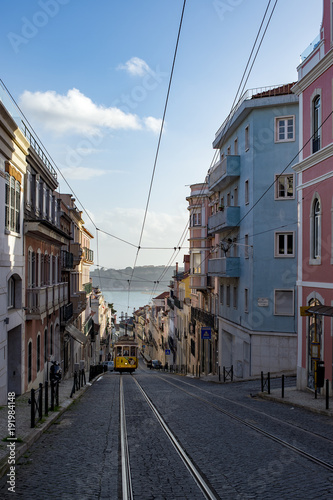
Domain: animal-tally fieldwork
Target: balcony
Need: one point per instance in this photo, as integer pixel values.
(44, 300)
(88, 255)
(228, 267)
(66, 260)
(224, 220)
(198, 282)
(79, 300)
(224, 172)
(66, 313)
(203, 317)
(76, 250)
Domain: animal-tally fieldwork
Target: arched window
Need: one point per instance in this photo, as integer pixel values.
(316, 124)
(46, 347)
(51, 340)
(316, 229)
(38, 353)
(29, 361)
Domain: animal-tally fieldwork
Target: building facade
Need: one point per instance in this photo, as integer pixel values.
(252, 226)
(13, 152)
(315, 200)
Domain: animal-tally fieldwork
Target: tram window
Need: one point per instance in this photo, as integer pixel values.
(132, 351)
(119, 351)
(125, 351)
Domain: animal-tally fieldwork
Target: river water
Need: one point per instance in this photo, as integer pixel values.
(127, 302)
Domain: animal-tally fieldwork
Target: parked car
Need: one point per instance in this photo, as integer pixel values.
(156, 364)
(108, 366)
(149, 364)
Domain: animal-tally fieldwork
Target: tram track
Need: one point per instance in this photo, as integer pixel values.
(254, 427)
(127, 492)
(259, 412)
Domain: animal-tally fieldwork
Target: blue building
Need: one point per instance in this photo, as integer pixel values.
(252, 226)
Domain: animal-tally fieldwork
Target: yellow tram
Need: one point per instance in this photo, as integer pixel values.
(125, 354)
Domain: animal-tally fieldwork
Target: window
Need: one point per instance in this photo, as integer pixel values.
(246, 192)
(316, 230)
(246, 246)
(229, 150)
(235, 297)
(196, 263)
(196, 219)
(284, 187)
(284, 302)
(11, 293)
(29, 361)
(316, 113)
(221, 294)
(284, 245)
(246, 300)
(236, 146)
(284, 128)
(38, 353)
(247, 138)
(46, 347)
(228, 200)
(12, 204)
(51, 340)
(228, 296)
(236, 197)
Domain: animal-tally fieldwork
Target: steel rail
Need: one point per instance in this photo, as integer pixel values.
(126, 481)
(201, 482)
(272, 417)
(278, 440)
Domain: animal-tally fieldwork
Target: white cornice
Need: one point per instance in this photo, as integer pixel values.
(324, 64)
(314, 159)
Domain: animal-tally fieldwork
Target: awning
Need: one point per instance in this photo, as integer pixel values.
(322, 310)
(76, 334)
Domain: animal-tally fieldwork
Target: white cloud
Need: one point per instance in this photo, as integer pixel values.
(135, 67)
(153, 124)
(75, 113)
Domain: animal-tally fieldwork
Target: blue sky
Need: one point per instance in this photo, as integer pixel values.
(92, 78)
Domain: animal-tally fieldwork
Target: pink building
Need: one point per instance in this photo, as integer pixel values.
(315, 202)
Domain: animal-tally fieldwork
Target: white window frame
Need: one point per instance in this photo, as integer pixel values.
(196, 219)
(283, 179)
(285, 120)
(286, 290)
(12, 204)
(284, 235)
(246, 246)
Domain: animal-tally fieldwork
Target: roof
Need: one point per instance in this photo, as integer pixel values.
(163, 295)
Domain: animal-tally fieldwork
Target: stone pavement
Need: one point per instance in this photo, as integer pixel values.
(25, 434)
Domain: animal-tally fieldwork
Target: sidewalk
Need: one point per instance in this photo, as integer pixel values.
(26, 435)
(301, 399)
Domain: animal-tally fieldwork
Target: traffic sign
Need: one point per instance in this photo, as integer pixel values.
(167, 352)
(206, 333)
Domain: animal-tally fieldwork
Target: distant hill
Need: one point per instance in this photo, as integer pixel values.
(143, 278)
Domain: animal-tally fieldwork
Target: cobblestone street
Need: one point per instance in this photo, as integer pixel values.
(78, 456)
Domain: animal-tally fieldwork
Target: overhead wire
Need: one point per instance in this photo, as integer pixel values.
(159, 139)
